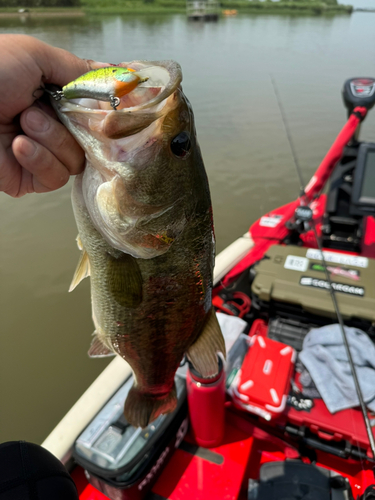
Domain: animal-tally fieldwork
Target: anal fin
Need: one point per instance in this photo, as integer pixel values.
(203, 353)
(82, 270)
(98, 349)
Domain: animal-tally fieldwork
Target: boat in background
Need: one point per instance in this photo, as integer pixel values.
(230, 12)
(278, 281)
(202, 10)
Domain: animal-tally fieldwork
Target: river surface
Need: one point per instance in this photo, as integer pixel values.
(228, 66)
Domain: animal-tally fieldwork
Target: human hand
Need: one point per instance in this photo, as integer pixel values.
(37, 153)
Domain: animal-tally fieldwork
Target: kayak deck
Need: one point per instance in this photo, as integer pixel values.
(223, 472)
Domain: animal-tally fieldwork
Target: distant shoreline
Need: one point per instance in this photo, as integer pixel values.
(50, 12)
(282, 7)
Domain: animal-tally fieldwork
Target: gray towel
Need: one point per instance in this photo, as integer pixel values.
(324, 356)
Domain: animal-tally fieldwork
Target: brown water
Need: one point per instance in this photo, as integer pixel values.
(45, 332)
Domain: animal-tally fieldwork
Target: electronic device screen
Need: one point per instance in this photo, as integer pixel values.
(363, 194)
(368, 183)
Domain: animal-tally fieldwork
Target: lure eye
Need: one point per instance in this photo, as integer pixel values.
(180, 145)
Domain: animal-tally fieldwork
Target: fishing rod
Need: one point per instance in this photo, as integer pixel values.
(309, 218)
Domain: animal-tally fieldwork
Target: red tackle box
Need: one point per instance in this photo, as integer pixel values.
(333, 429)
(259, 327)
(263, 383)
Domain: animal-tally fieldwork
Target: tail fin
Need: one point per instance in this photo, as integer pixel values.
(142, 409)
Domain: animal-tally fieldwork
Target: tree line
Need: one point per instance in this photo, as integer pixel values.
(39, 3)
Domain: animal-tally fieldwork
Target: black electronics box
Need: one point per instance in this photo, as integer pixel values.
(124, 462)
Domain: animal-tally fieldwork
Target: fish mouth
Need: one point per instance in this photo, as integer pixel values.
(136, 110)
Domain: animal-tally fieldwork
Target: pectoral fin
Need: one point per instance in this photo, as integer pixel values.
(79, 242)
(82, 270)
(203, 353)
(125, 280)
(98, 349)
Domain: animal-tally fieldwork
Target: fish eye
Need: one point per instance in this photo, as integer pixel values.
(181, 144)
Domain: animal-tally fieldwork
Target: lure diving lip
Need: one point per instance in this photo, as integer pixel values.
(104, 84)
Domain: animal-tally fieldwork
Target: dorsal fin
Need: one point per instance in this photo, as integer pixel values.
(82, 270)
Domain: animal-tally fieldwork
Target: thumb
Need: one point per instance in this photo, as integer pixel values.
(60, 66)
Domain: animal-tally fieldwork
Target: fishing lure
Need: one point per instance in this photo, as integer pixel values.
(104, 84)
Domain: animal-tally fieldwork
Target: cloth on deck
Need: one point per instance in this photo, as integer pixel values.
(309, 389)
(324, 356)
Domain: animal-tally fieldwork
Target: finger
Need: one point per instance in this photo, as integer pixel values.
(30, 63)
(46, 107)
(10, 172)
(35, 58)
(61, 67)
(48, 173)
(51, 134)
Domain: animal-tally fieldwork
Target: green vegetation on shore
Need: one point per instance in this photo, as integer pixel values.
(177, 6)
(134, 6)
(169, 6)
(291, 6)
(37, 4)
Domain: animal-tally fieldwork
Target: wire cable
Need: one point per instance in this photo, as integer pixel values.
(289, 136)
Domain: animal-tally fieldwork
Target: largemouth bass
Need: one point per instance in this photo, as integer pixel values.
(143, 211)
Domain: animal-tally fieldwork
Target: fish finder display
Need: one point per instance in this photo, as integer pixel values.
(363, 195)
(368, 183)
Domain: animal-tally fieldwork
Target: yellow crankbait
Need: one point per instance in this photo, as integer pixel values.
(104, 84)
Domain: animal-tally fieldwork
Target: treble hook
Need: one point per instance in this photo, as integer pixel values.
(57, 94)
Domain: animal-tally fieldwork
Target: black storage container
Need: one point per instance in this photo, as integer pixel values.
(122, 461)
